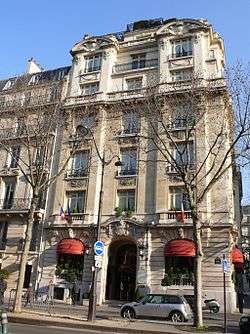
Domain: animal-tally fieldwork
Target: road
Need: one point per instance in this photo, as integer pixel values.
(30, 329)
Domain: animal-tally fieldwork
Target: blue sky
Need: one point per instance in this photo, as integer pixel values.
(47, 29)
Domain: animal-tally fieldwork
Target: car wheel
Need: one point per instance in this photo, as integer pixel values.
(177, 316)
(215, 309)
(128, 313)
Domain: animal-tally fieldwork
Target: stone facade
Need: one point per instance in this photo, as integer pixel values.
(106, 71)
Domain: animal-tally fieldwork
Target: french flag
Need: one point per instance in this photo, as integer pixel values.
(181, 216)
(62, 213)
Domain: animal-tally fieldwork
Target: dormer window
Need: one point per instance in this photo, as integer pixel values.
(8, 85)
(34, 79)
(93, 63)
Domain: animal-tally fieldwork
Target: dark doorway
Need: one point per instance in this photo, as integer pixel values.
(121, 275)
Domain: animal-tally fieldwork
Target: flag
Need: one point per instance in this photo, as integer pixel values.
(181, 216)
(69, 214)
(62, 213)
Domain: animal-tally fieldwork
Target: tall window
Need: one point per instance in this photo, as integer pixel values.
(183, 154)
(126, 200)
(34, 238)
(93, 63)
(41, 156)
(182, 48)
(130, 122)
(134, 84)
(128, 159)
(90, 88)
(9, 194)
(27, 276)
(182, 75)
(3, 234)
(79, 165)
(14, 156)
(138, 61)
(178, 197)
(182, 116)
(76, 201)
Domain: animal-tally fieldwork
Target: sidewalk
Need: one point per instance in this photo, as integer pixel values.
(113, 326)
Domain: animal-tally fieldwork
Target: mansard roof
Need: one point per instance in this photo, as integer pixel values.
(44, 77)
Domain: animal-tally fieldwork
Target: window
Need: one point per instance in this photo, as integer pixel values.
(182, 48)
(155, 299)
(182, 116)
(79, 164)
(90, 88)
(93, 63)
(41, 156)
(178, 197)
(34, 239)
(128, 159)
(21, 127)
(130, 122)
(180, 270)
(76, 201)
(9, 194)
(138, 61)
(14, 156)
(134, 84)
(27, 276)
(88, 121)
(8, 85)
(126, 200)
(182, 75)
(34, 79)
(183, 154)
(3, 234)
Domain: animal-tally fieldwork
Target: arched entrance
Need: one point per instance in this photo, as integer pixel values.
(121, 274)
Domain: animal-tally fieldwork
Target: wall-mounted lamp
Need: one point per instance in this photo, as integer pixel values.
(87, 249)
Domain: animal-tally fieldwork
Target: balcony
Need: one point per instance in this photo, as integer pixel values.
(182, 54)
(127, 173)
(15, 204)
(76, 173)
(172, 217)
(135, 65)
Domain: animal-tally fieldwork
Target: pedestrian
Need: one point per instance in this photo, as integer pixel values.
(29, 296)
(3, 287)
(51, 291)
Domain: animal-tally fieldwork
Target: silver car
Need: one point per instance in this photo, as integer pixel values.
(172, 307)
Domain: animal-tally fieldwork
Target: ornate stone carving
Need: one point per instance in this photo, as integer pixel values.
(78, 183)
(94, 44)
(54, 235)
(123, 227)
(167, 234)
(127, 182)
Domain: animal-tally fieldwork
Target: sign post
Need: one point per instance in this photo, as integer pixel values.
(225, 270)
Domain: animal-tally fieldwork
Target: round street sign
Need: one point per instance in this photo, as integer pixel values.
(99, 248)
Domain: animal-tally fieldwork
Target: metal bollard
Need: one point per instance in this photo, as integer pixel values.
(4, 322)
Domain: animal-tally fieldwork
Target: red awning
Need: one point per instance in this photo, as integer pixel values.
(70, 246)
(180, 247)
(237, 256)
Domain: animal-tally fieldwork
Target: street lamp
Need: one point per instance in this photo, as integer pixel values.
(93, 290)
(83, 132)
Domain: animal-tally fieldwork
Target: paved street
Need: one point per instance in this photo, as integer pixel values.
(30, 329)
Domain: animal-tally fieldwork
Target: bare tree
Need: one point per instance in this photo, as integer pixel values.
(33, 127)
(196, 131)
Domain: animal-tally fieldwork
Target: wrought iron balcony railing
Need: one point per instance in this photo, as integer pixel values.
(127, 172)
(181, 54)
(15, 204)
(135, 65)
(83, 172)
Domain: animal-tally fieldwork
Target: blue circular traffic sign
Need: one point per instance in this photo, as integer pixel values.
(99, 248)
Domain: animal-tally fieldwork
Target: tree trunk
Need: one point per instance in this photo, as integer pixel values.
(198, 318)
(28, 235)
